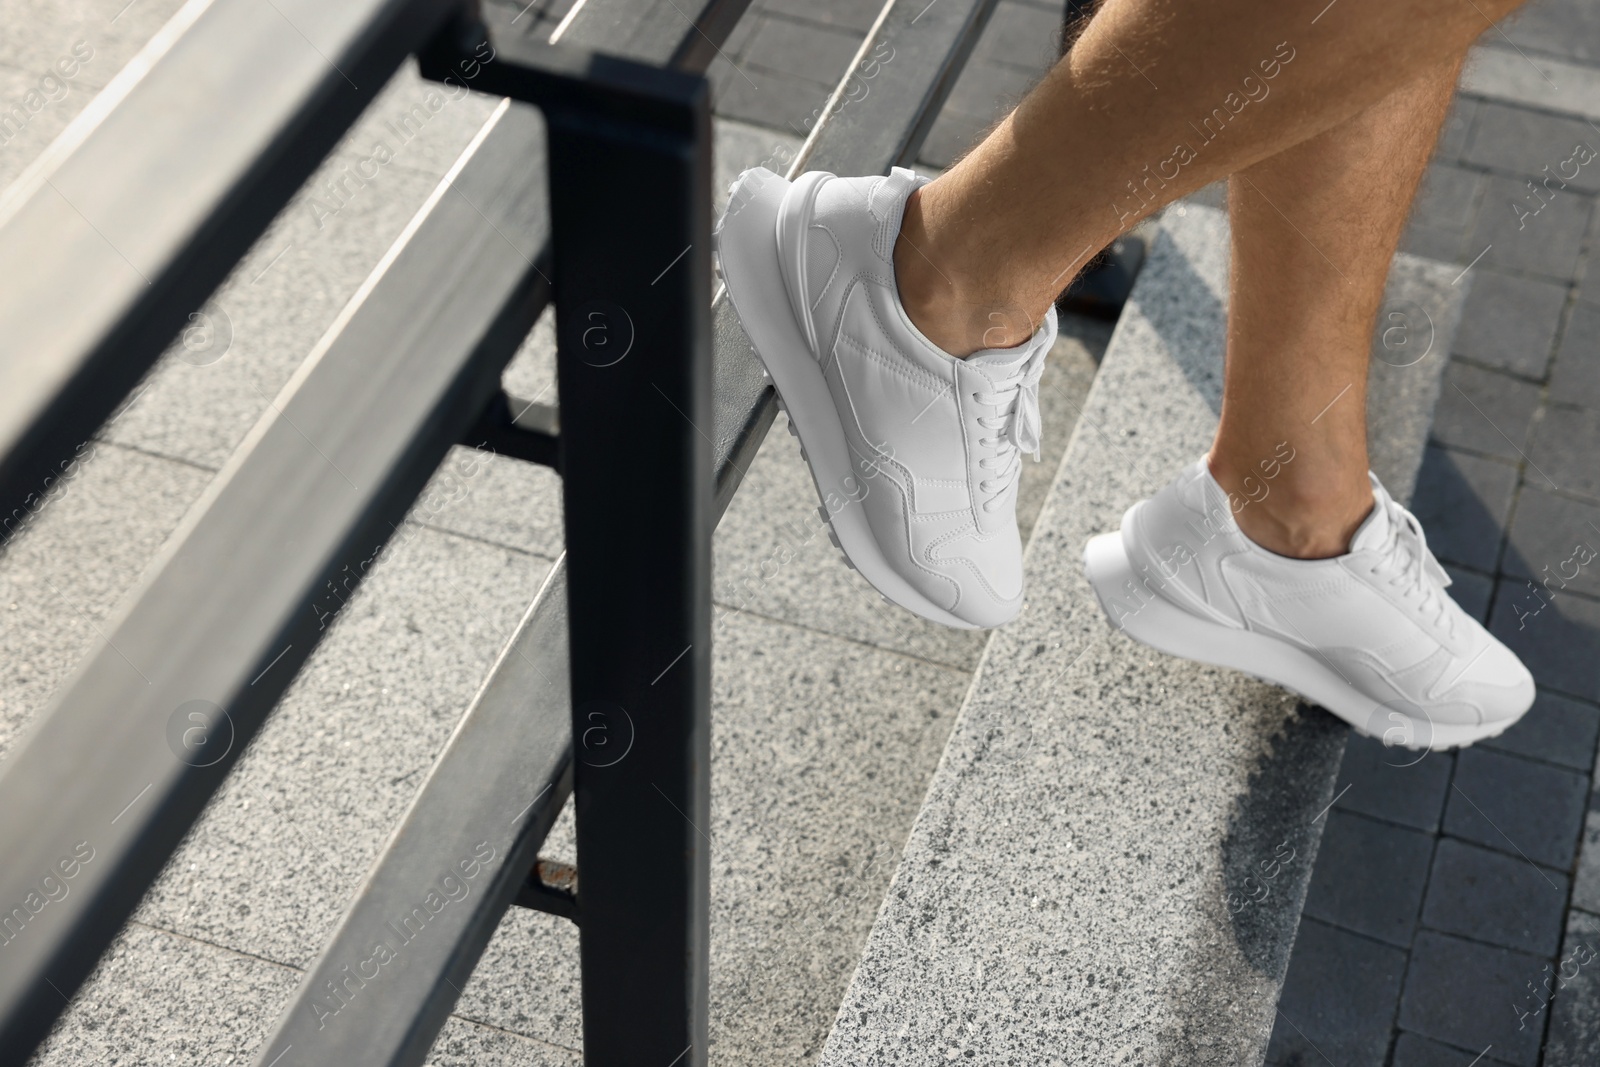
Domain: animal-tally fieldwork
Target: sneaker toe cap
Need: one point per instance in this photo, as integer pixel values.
(984, 610)
(1497, 684)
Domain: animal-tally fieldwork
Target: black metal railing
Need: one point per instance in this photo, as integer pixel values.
(596, 196)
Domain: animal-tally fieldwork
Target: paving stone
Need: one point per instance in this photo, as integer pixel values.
(1575, 378)
(463, 1044)
(1556, 729)
(987, 91)
(1489, 896)
(1369, 877)
(1586, 882)
(1558, 637)
(169, 996)
(1393, 784)
(1414, 1050)
(743, 30)
(1485, 411)
(1462, 502)
(1457, 992)
(1575, 1009)
(1510, 322)
(157, 997)
(821, 755)
(764, 97)
(1522, 143)
(1443, 213)
(735, 146)
(1562, 450)
(818, 54)
(847, 14)
(1457, 126)
(1020, 35)
(1471, 590)
(1554, 540)
(953, 134)
(1557, 27)
(211, 387)
(1338, 999)
(1401, 394)
(530, 951)
(1589, 287)
(1503, 72)
(337, 763)
(494, 498)
(1528, 810)
(1541, 233)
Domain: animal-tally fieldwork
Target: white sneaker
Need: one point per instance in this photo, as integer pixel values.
(1370, 635)
(915, 453)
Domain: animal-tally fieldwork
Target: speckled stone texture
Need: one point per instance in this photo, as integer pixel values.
(1111, 860)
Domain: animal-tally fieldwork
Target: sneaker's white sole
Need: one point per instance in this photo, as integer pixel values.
(1168, 628)
(747, 250)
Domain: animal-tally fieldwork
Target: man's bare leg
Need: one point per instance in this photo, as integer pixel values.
(1314, 230)
(980, 255)
(1155, 100)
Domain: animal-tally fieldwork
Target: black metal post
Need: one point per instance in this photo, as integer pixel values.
(631, 217)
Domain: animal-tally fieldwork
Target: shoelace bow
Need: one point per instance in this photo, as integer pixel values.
(1015, 427)
(1419, 572)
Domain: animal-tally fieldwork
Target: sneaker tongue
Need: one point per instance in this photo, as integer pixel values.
(1003, 358)
(1044, 336)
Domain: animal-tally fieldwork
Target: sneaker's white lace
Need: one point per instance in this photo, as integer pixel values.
(1014, 428)
(1410, 566)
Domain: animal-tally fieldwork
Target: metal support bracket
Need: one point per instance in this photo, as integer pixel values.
(522, 429)
(551, 887)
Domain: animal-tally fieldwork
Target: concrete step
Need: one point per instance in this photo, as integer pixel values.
(1063, 894)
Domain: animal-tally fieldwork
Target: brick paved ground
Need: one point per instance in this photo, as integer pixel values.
(1448, 891)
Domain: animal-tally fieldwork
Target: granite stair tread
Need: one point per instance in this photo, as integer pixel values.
(1111, 859)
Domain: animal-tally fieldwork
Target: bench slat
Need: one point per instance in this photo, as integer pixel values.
(745, 408)
(100, 274)
(243, 590)
(238, 599)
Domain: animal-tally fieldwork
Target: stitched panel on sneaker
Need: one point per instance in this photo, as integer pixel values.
(941, 494)
(891, 397)
(996, 560)
(822, 259)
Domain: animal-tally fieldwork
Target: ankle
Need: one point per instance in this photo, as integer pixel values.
(1301, 534)
(1301, 515)
(956, 313)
